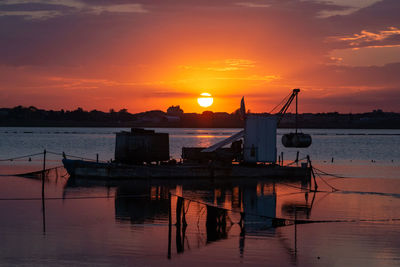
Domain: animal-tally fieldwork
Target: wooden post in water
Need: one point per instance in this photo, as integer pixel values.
(297, 158)
(242, 234)
(184, 222)
(43, 206)
(312, 173)
(97, 157)
(295, 231)
(169, 224)
(179, 210)
(44, 171)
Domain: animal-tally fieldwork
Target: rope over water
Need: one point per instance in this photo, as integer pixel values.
(21, 157)
(36, 173)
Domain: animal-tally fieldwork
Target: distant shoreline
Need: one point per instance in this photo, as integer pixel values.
(182, 127)
(176, 118)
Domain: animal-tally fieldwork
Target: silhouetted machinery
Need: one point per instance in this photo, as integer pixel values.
(295, 139)
(140, 145)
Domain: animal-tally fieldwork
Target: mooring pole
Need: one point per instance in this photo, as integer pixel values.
(295, 231)
(44, 171)
(297, 96)
(184, 215)
(179, 211)
(169, 224)
(97, 157)
(297, 158)
(43, 206)
(312, 173)
(183, 236)
(315, 180)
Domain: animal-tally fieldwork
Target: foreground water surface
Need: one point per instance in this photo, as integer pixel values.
(86, 222)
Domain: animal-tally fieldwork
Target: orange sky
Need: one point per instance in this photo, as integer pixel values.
(144, 55)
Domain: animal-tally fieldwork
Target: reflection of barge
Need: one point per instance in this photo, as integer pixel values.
(145, 154)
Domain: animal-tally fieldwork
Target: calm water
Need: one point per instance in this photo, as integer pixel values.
(103, 224)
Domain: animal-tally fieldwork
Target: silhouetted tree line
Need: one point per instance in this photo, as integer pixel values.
(175, 117)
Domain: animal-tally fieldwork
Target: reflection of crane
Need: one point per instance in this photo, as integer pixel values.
(293, 139)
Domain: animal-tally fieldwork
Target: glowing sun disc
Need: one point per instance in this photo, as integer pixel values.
(205, 100)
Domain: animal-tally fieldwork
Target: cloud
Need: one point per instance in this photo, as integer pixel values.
(344, 7)
(240, 63)
(78, 83)
(33, 15)
(67, 3)
(46, 9)
(367, 38)
(252, 5)
(369, 55)
(373, 18)
(233, 65)
(367, 47)
(265, 78)
(224, 65)
(335, 60)
(122, 8)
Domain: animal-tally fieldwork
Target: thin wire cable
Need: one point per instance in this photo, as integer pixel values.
(329, 174)
(304, 189)
(49, 152)
(74, 197)
(289, 164)
(77, 157)
(283, 100)
(31, 173)
(334, 189)
(21, 157)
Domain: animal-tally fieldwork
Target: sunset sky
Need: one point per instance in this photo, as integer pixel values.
(148, 54)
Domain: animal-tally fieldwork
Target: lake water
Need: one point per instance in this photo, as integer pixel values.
(96, 223)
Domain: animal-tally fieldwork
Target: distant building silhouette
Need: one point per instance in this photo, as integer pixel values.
(175, 111)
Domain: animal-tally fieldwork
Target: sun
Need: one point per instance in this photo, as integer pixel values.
(205, 100)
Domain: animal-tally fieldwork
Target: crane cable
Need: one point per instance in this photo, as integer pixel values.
(283, 100)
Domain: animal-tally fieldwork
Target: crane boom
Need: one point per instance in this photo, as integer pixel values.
(285, 107)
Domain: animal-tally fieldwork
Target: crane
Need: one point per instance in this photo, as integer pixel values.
(285, 107)
(288, 140)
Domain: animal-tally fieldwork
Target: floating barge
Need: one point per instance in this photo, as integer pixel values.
(145, 154)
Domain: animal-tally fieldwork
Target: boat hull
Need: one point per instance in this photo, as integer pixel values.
(87, 169)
